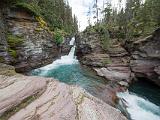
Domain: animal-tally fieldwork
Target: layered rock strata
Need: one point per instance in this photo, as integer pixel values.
(145, 59)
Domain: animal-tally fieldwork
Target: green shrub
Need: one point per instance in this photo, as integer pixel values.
(58, 37)
(42, 23)
(31, 7)
(105, 38)
(38, 29)
(2, 59)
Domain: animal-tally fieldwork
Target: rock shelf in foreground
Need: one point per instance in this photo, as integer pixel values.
(55, 101)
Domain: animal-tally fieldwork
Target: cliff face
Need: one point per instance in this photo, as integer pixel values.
(121, 64)
(89, 50)
(24, 43)
(114, 61)
(112, 64)
(142, 58)
(145, 57)
(4, 57)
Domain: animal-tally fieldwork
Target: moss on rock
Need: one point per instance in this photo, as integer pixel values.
(107, 61)
(14, 40)
(7, 70)
(12, 52)
(2, 59)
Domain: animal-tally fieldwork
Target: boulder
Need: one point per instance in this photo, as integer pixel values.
(115, 73)
(17, 88)
(112, 64)
(89, 50)
(122, 83)
(109, 94)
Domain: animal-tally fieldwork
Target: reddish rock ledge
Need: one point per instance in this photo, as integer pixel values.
(54, 100)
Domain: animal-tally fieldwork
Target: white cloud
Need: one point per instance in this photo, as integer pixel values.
(115, 4)
(81, 7)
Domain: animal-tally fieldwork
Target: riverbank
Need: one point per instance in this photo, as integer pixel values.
(122, 64)
(27, 97)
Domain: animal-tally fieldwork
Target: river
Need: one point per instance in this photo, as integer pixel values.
(141, 102)
(67, 69)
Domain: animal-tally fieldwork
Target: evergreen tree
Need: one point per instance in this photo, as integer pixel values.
(57, 13)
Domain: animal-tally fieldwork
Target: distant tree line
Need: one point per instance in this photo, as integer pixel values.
(57, 13)
(124, 22)
(138, 18)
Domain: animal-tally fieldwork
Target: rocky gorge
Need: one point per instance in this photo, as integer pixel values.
(121, 64)
(26, 45)
(145, 60)
(58, 88)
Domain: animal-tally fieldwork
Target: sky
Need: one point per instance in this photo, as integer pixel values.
(81, 7)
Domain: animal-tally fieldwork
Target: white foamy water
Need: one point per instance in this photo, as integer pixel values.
(64, 60)
(138, 107)
(72, 41)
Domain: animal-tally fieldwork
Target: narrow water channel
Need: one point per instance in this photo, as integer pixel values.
(67, 69)
(142, 102)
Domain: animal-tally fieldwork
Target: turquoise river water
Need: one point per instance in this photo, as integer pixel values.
(141, 102)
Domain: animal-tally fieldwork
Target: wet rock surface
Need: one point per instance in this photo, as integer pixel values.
(112, 64)
(56, 101)
(65, 47)
(121, 66)
(109, 94)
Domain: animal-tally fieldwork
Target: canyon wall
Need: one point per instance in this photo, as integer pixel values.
(121, 64)
(138, 58)
(24, 42)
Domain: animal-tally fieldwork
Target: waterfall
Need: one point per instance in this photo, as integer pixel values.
(138, 107)
(64, 60)
(72, 52)
(68, 70)
(72, 41)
